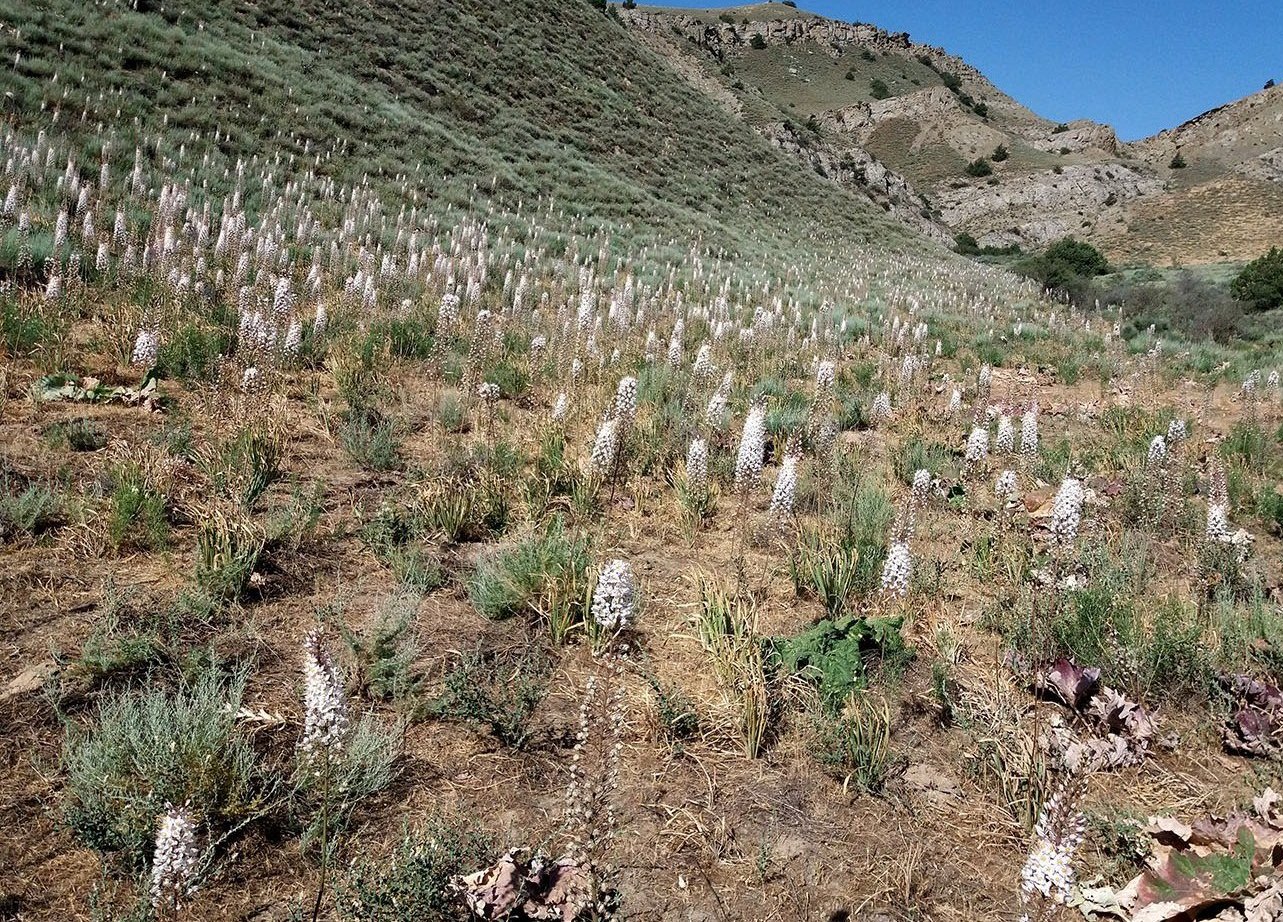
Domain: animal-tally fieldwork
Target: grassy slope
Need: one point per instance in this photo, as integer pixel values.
(540, 98)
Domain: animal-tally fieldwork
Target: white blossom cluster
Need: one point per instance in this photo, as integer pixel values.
(1218, 504)
(174, 861)
(825, 377)
(748, 461)
(252, 380)
(560, 406)
(626, 401)
(448, 312)
(488, 391)
(921, 484)
(1006, 488)
(1066, 511)
(605, 446)
(325, 721)
(1005, 441)
(614, 600)
(897, 569)
(977, 445)
(697, 465)
(881, 410)
(146, 348)
(1218, 522)
(1029, 432)
(293, 337)
(715, 412)
(785, 488)
(1251, 383)
(704, 369)
(1157, 451)
(1049, 869)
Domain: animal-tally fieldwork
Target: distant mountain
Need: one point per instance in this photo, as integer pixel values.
(939, 146)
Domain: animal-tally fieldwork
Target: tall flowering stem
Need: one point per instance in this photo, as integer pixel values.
(748, 468)
(1047, 878)
(594, 777)
(325, 729)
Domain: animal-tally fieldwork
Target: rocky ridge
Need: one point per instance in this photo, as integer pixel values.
(1061, 179)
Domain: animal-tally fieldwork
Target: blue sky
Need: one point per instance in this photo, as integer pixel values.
(1139, 66)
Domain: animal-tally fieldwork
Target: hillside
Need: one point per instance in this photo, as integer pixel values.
(457, 464)
(907, 119)
(567, 113)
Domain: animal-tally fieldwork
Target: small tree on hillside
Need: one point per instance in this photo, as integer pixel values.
(1000, 153)
(1178, 162)
(966, 244)
(979, 168)
(1261, 281)
(1079, 256)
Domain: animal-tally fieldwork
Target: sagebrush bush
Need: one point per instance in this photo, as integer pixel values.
(413, 883)
(81, 434)
(499, 690)
(372, 440)
(146, 749)
(32, 511)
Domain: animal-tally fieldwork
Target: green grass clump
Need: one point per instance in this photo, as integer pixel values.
(386, 648)
(856, 746)
(545, 575)
(137, 518)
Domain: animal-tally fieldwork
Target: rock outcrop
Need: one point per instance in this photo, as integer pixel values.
(855, 167)
(1033, 209)
(1079, 136)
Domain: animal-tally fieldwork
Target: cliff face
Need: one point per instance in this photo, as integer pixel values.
(854, 167)
(1034, 209)
(906, 123)
(719, 38)
(840, 159)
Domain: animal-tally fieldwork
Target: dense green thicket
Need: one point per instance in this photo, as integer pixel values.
(1261, 281)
